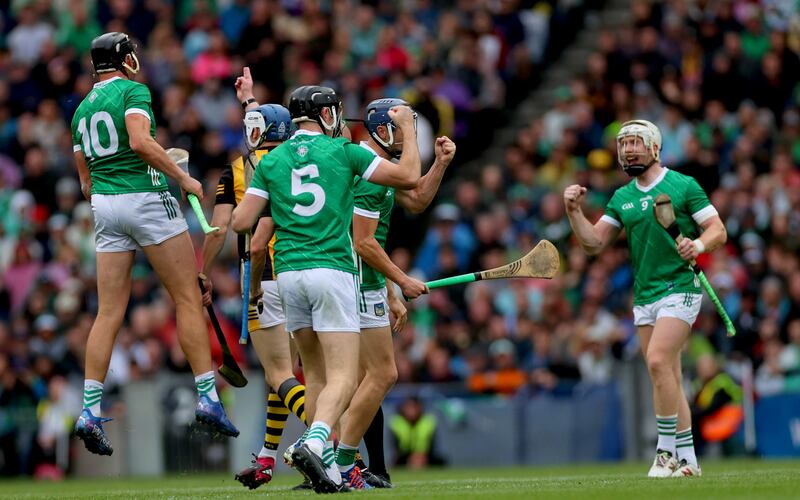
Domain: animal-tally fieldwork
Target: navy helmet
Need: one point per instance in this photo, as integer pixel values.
(377, 114)
(273, 121)
(306, 104)
(109, 50)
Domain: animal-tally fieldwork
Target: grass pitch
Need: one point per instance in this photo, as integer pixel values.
(750, 479)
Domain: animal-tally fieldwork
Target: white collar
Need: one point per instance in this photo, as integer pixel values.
(305, 132)
(365, 145)
(650, 186)
(104, 82)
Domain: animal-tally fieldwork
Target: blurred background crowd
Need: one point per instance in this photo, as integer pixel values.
(719, 78)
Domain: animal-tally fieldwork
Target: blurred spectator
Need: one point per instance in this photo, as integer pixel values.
(717, 408)
(77, 27)
(27, 40)
(504, 377)
(414, 435)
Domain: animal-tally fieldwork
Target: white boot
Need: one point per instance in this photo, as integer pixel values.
(685, 469)
(663, 465)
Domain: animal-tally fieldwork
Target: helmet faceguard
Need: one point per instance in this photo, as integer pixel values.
(636, 163)
(377, 115)
(272, 121)
(306, 104)
(109, 52)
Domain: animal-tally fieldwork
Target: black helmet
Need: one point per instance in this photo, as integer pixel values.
(109, 51)
(306, 103)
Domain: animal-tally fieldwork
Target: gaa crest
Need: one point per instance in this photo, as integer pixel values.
(302, 151)
(380, 310)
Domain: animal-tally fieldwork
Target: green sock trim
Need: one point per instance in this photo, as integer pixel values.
(346, 456)
(318, 433)
(205, 386)
(328, 456)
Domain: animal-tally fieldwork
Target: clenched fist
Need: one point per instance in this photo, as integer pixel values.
(402, 116)
(444, 149)
(572, 197)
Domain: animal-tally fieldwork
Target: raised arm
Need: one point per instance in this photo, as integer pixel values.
(418, 199)
(594, 238)
(406, 173)
(143, 144)
(244, 90)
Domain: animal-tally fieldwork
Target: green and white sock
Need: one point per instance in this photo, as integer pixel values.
(666, 432)
(684, 443)
(328, 454)
(329, 459)
(317, 435)
(346, 457)
(206, 386)
(92, 395)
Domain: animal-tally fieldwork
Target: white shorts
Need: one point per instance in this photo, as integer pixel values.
(128, 221)
(272, 314)
(373, 307)
(323, 299)
(684, 306)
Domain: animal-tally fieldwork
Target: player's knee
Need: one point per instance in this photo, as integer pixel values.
(187, 296)
(659, 365)
(345, 382)
(386, 377)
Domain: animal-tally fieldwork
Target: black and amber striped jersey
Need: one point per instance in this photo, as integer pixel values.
(230, 191)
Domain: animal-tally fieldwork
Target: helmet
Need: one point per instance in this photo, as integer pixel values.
(306, 104)
(109, 51)
(378, 114)
(273, 122)
(650, 136)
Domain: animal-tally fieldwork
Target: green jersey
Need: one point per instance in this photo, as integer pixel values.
(376, 202)
(658, 268)
(309, 182)
(98, 130)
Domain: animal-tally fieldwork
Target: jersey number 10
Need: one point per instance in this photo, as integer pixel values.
(91, 136)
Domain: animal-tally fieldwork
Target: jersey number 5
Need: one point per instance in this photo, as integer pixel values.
(91, 136)
(315, 190)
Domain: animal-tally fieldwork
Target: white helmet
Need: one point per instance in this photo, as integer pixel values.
(651, 137)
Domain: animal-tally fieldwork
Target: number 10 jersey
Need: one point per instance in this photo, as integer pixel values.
(99, 132)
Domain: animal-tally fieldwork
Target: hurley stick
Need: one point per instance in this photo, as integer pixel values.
(665, 215)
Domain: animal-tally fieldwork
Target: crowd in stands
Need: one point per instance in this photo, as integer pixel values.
(720, 81)
(715, 76)
(460, 67)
